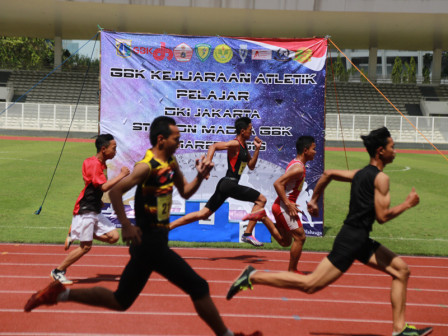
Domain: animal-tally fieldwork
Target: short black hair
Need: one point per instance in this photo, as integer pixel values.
(376, 139)
(160, 126)
(242, 123)
(103, 140)
(305, 141)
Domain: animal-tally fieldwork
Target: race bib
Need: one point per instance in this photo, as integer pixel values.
(242, 166)
(163, 207)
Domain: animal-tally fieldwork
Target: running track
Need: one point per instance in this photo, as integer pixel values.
(357, 304)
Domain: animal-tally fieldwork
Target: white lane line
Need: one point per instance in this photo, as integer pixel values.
(381, 275)
(263, 298)
(246, 316)
(34, 277)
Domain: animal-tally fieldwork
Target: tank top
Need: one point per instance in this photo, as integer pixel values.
(294, 187)
(236, 165)
(362, 206)
(153, 196)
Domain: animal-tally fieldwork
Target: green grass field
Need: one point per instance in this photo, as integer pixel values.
(27, 166)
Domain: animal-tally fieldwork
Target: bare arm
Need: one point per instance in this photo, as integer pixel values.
(253, 159)
(382, 200)
(129, 232)
(325, 179)
(110, 183)
(293, 173)
(219, 146)
(187, 189)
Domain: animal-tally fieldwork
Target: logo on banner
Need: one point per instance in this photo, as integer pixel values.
(123, 47)
(159, 54)
(303, 55)
(243, 52)
(261, 54)
(203, 51)
(283, 55)
(223, 53)
(183, 52)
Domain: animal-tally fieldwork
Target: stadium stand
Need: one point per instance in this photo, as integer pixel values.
(58, 88)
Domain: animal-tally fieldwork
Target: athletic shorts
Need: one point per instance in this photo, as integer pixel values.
(283, 218)
(153, 254)
(352, 244)
(85, 226)
(229, 187)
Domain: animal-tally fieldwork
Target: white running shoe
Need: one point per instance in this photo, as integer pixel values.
(60, 276)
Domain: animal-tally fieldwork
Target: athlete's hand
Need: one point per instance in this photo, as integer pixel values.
(131, 234)
(413, 199)
(124, 171)
(293, 210)
(204, 166)
(313, 208)
(257, 142)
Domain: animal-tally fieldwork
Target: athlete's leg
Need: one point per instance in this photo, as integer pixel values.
(204, 213)
(324, 274)
(258, 205)
(76, 254)
(110, 237)
(299, 238)
(387, 261)
(95, 296)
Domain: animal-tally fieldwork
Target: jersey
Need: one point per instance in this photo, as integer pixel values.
(153, 196)
(362, 199)
(236, 164)
(90, 197)
(294, 187)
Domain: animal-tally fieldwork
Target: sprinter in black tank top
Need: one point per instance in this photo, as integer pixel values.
(238, 157)
(369, 200)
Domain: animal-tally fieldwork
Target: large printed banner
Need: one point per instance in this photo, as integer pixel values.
(205, 83)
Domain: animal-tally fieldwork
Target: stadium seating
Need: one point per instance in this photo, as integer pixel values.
(58, 88)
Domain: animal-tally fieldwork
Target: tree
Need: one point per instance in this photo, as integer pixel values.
(25, 53)
(397, 71)
(412, 71)
(340, 71)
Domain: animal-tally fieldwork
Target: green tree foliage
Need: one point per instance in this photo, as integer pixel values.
(25, 53)
(425, 73)
(397, 71)
(340, 71)
(412, 71)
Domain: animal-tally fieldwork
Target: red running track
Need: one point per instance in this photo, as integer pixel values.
(357, 304)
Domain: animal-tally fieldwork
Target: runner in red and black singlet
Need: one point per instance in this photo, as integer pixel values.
(238, 157)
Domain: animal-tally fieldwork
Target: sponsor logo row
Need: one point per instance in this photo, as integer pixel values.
(221, 53)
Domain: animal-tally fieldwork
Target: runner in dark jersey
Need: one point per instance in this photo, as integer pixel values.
(238, 157)
(155, 176)
(369, 200)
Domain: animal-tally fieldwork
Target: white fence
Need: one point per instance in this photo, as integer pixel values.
(352, 126)
(56, 117)
(48, 117)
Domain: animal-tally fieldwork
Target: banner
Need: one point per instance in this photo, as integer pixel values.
(205, 83)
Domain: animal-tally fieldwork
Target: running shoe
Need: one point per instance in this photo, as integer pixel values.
(47, 296)
(241, 283)
(255, 333)
(60, 276)
(251, 240)
(68, 242)
(410, 330)
(257, 215)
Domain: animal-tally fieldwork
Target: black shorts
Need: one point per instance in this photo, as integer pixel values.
(229, 187)
(153, 254)
(352, 244)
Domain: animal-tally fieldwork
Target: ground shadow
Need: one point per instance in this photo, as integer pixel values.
(99, 278)
(340, 334)
(247, 258)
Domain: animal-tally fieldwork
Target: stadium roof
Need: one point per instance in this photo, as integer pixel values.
(352, 24)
